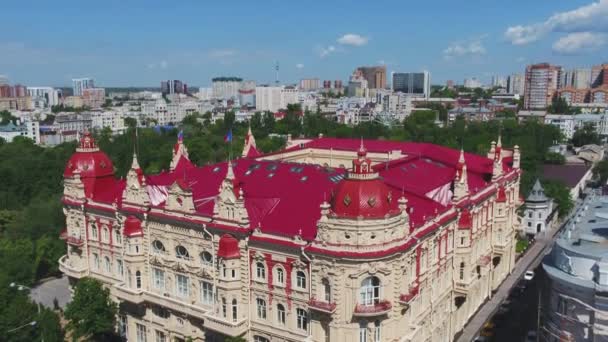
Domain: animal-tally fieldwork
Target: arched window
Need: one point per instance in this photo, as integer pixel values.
(207, 259)
(301, 280)
(281, 314)
(117, 237)
(280, 277)
(234, 310)
(138, 279)
(370, 291)
(261, 308)
(302, 319)
(260, 270)
(326, 290)
(107, 264)
(462, 271)
(182, 253)
(105, 234)
(158, 247)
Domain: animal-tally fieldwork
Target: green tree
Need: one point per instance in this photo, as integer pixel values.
(586, 135)
(91, 313)
(560, 194)
(600, 171)
(559, 106)
(131, 122)
(555, 158)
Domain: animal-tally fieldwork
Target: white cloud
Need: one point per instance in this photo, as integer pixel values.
(580, 42)
(300, 66)
(588, 18)
(353, 39)
(472, 47)
(326, 51)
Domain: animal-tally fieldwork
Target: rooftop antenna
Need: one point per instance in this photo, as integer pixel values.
(276, 68)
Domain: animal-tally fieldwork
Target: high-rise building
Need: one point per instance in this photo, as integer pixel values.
(499, 81)
(415, 83)
(47, 95)
(226, 88)
(274, 98)
(173, 87)
(357, 85)
(93, 97)
(515, 84)
(326, 84)
(599, 75)
(566, 78)
(79, 84)
(3, 80)
(541, 83)
(309, 84)
(374, 75)
(581, 78)
(247, 93)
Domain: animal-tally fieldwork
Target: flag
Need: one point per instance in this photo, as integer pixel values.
(228, 136)
(180, 135)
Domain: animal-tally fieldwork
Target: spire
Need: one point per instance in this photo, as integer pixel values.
(179, 151)
(230, 204)
(516, 157)
(497, 168)
(135, 191)
(230, 172)
(461, 185)
(134, 162)
(250, 148)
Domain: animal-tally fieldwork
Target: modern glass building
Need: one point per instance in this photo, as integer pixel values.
(412, 83)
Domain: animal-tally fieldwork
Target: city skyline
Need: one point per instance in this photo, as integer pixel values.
(140, 44)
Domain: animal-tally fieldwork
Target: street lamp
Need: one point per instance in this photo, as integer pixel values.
(21, 288)
(32, 323)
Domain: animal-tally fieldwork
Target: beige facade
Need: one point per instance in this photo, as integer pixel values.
(359, 280)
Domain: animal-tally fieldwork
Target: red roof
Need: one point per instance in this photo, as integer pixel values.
(133, 227)
(253, 152)
(363, 198)
(228, 247)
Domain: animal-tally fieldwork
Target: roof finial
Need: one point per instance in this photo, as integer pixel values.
(461, 159)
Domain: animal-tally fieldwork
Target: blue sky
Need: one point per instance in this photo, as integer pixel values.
(139, 43)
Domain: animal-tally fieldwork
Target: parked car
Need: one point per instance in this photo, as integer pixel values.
(531, 336)
(529, 275)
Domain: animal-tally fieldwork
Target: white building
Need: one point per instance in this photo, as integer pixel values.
(271, 98)
(581, 78)
(599, 122)
(565, 123)
(79, 84)
(499, 81)
(43, 97)
(168, 113)
(538, 210)
(515, 84)
(226, 87)
(472, 82)
(204, 94)
(29, 129)
(113, 120)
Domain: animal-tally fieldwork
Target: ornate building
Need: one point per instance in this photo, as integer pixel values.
(328, 240)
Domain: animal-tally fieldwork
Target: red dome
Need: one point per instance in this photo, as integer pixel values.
(133, 227)
(368, 198)
(228, 247)
(89, 160)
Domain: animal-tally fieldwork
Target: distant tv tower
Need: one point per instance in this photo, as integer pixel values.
(276, 68)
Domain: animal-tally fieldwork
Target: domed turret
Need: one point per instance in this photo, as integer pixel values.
(228, 247)
(133, 227)
(89, 160)
(362, 193)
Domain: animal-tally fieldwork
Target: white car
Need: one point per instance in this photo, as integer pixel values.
(529, 275)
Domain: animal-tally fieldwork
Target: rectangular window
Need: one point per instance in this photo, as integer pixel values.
(302, 319)
(95, 261)
(122, 326)
(160, 336)
(182, 285)
(206, 293)
(93, 232)
(120, 268)
(362, 332)
(377, 332)
(159, 278)
(261, 306)
(141, 333)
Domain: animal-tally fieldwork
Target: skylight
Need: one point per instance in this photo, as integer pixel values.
(216, 169)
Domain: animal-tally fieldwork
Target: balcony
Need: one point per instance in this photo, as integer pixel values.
(224, 326)
(321, 306)
(376, 309)
(74, 241)
(122, 292)
(71, 268)
(406, 298)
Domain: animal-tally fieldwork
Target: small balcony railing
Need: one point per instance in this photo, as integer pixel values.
(375, 309)
(322, 306)
(406, 298)
(74, 241)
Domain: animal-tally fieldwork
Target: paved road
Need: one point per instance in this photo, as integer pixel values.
(47, 291)
(530, 260)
